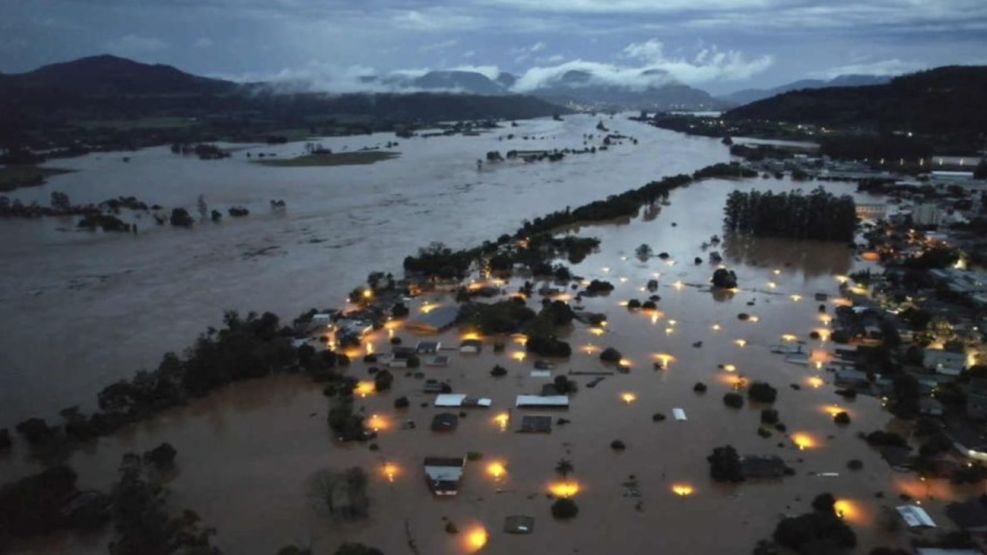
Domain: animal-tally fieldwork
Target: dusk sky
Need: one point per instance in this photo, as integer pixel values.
(717, 45)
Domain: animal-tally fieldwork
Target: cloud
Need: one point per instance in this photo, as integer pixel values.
(435, 46)
(488, 71)
(653, 68)
(433, 19)
(135, 44)
(893, 66)
(203, 42)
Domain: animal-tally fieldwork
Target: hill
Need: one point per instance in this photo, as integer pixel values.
(110, 102)
(110, 75)
(943, 101)
(746, 96)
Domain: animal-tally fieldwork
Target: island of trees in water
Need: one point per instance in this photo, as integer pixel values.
(794, 214)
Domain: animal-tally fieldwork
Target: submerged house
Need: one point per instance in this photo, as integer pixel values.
(443, 474)
(436, 320)
(542, 401)
(766, 467)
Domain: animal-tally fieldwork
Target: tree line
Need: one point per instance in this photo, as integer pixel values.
(817, 215)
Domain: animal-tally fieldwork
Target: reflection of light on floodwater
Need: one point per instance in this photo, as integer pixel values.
(823, 333)
(497, 470)
(842, 279)
(377, 422)
(825, 319)
(368, 294)
(772, 285)
(683, 490)
(665, 358)
(606, 270)
(518, 355)
(428, 307)
(471, 336)
(796, 297)
(669, 331)
(596, 331)
(814, 382)
(730, 367)
(568, 488)
(623, 279)
(678, 285)
(777, 272)
(788, 337)
(623, 303)
(624, 363)
(589, 348)
(628, 397)
(364, 388)
(369, 347)
(833, 410)
(716, 327)
(520, 338)
(741, 342)
(390, 470)
(754, 319)
(477, 538)
(804, 441)
(654, 317)
(673, 322)
(502, 420)
(848, 510)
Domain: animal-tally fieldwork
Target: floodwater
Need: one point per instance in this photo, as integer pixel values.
(80, 310)
(246, 453)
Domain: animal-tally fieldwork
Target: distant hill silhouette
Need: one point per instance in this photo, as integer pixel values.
(945, 100)
(111, 75)
(746, 96)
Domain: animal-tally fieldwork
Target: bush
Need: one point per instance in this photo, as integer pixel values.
(724, 464)
(161, 456)
(564, 509)
(733, 400)
(383, 380)
(880, 438)
(181, 218)
(401, 403)
(762, 392)
(611, 355)
(724, 279)
(617, 445)
(855, 464)
(548, 346)
(498, 371)
(769, 416)
(700, 387)
(841, 418)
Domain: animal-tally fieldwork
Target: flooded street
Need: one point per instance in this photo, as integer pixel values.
(247, 452)
(81, 310)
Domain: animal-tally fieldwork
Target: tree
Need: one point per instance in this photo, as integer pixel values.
(610, 355)
(564, 467)
(181, 218)
(762, 392)
(643, 252)
(383, 380)
(60, 201)
(980, 172)
(724, 279)
(357, 549)
(564, 508)
(724, 464)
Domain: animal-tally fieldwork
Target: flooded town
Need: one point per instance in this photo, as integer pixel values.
(448, 321)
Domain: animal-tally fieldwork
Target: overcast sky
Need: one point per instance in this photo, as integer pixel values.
(717, 45)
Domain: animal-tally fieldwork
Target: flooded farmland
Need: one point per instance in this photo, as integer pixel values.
(246, 453)
(114, 303)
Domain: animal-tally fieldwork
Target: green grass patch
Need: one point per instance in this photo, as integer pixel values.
(14, 177)
(335, 159)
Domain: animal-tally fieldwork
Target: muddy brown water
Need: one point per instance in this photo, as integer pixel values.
(247, 452)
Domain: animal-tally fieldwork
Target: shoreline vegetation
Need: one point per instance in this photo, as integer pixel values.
(14, 177)
(259, 345)
(317, 159)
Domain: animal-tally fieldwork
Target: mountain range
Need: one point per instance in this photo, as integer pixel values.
(941, 101)
(746, 96)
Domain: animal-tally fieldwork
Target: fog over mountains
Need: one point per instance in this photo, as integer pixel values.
(583, 88)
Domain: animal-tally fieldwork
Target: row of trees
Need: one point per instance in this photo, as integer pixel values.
(817, 215)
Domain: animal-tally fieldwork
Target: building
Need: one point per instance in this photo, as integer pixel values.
(947, 363)
(767, 467)
(471, 346)
(460, 400)
(976, 399)
(542, 402)
(443, 474)
(428, 347)
(970, 515)
(532, 424)
(871, 210)
(915, 516)
(926, 214)
(436, 320)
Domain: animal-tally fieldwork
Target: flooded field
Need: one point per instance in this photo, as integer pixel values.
(81, 310)
(246, 454)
